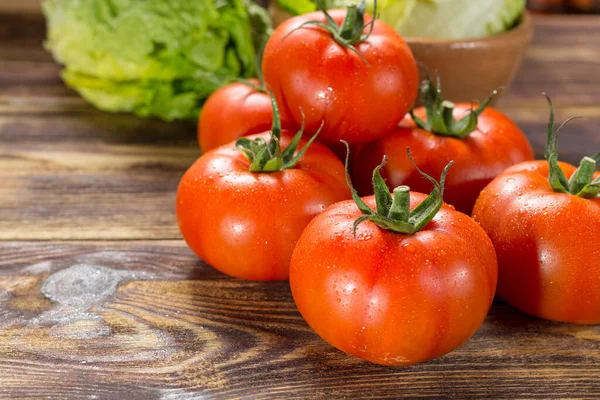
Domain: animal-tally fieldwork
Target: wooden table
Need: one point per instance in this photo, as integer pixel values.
(101, 299)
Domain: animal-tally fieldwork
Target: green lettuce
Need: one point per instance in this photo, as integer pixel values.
(459, 19)
(435, 19)
(152, 57)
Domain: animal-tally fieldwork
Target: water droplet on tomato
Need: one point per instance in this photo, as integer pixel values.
(409, 247)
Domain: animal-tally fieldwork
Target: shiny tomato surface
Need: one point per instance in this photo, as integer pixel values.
(390, 298)
(246, 224)
(548, 244)
(233, 111)
(360, 99)
(495, 145)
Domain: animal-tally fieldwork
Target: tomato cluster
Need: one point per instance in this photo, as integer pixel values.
(395, 277)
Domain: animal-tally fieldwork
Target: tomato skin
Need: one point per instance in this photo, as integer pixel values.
(359, 102)
(548, 244)
(233, 111)
(495, 145)
(246, 224)
(389, 298)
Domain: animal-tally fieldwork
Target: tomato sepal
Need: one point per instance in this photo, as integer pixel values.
(582, 182)
(440, 113)
(267, 156)
(353, 26)
(393, 213)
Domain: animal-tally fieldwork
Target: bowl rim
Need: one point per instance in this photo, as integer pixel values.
(524, 28)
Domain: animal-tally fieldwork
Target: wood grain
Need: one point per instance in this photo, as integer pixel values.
(563, 61)
(21, 6)
(174, 327)
(100, 299)
(90, 176)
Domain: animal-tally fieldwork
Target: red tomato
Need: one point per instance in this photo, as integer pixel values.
(544, 220)
(246, 224)
(496, 144)
(390, 298)
(394, 298)
(548, 244)
(361, 97)
(233, 111)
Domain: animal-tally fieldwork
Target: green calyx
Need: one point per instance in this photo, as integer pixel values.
(351, 31)
(393, 212)
(582, 182)
(267, 156)
(440, 118)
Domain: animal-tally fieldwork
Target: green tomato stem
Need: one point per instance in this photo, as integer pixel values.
(582, 181)
(394, 214)
(351, 31)
(440, 113)
(347, 31)
(583, 176)
(268, 156)
(400, 209)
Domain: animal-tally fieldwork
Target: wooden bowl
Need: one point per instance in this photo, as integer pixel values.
(470, 69)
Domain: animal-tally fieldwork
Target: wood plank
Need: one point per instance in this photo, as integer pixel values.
(91, 176)
(149, 320)
(563, 61)
(21, 6)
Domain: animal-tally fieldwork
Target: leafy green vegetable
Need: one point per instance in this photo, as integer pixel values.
(297, 7)
(459, 19)
(152, 57)
(437, 19)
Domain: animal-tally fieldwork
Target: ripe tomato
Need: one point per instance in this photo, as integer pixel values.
(389, 297)
(233, 111)
(245, 223)
(360, 84)
(547, 240)
(480, 153)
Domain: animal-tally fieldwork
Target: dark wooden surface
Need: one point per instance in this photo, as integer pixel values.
(101, 299)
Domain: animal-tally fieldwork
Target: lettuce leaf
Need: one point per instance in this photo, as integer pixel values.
(458, 19)
(151, 57)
